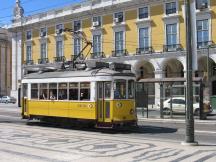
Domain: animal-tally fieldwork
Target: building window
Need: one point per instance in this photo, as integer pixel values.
(77, 46)
(202, 4)
(96, 21)
(202, 33)
(77, 25)
(119, 41)
(59, 29)
(170, 8)
(59, 48)
(28, 35)
(144, 38)
(43, 32)
(28, 52)
(118, 17)
(143, 13)
(43, 50)
(96, 44)
(171, 36)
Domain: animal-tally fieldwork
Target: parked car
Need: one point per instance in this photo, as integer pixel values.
(178, 106)
(8, 99)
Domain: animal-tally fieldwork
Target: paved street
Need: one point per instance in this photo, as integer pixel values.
(152, 141)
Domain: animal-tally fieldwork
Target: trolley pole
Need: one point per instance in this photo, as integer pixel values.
(189, 139)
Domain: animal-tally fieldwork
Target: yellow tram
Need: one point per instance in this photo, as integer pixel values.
(103, 96)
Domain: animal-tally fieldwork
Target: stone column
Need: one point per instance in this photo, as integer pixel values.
(158, 75)
(16, 62)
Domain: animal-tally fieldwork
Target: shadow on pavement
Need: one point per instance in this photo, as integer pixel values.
(120, 130)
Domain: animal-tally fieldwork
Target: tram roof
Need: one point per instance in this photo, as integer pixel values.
(78, 73)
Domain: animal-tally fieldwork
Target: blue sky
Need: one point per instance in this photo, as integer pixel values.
(30, 7)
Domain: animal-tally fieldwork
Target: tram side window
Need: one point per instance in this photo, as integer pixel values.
(131, 89)
(107, 89)
(62, 91)
(43, 91)
(85, 91)
(25, 90)
(120, 89)
(34, 91)
(52, 91)
(73, 91)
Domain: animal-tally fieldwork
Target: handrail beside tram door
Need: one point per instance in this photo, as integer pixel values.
(103, 103)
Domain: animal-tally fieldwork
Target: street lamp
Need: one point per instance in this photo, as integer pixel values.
(189, 139)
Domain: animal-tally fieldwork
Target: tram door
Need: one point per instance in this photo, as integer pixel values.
(103, 104)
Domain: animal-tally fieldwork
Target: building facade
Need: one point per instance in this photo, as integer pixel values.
(5, 62)
(148, 34)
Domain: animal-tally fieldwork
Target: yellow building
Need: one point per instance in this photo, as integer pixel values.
(148, 34)
(5, 62)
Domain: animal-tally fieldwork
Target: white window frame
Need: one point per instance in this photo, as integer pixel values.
(149, 13)
(28, 44)
(177, 8)
(46, 30)
(172, 20)
(115, 39)
(27, 34)
(100, 42)
(123, 21)
(209, 29)
(59, 39)
(177, 39)
(149, 36)
(74, 46)
(56, 29)
(80, 24)
(42, 42)
(101, 21)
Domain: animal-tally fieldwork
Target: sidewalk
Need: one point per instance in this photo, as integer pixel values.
(210, 120)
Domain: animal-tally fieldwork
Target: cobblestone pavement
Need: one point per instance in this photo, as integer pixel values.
(37, 143)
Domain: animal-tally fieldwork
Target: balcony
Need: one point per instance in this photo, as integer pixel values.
(118, 53)
(145, 50)
(74, 57)
(59, 59)
(204, 44)
(29, 62)
(97, 55)
(172, 48)
(43, 61)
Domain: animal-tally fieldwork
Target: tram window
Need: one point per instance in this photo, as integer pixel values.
(120, 89)
(52, 91)
(73, 91)
(84, 91)
(62, 91)
(107, 89)
(25, 90)
(130, 89)
(34, 91)
(43, 91)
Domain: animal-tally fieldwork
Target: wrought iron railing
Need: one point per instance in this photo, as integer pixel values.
(28, 62)
(205, 44)
(118, 53)
(145, 50)
(43, 61)
(81, 57)
(59, 59)
(97, 55)
(172, 48)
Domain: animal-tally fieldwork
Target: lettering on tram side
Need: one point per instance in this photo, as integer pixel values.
(83, 105)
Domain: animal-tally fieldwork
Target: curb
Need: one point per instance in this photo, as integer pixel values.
(177, 121)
